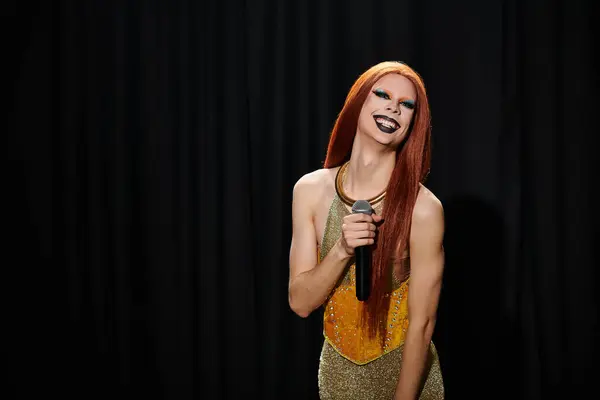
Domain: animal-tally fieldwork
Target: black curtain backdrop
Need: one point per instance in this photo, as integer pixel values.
(153, 146)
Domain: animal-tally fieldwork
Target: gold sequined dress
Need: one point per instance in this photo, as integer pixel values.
(352, 366)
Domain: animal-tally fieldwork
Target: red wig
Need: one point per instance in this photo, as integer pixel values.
(412, 166)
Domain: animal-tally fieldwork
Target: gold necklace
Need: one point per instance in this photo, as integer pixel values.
(339, 188)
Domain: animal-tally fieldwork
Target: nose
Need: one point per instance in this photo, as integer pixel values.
(394, 108)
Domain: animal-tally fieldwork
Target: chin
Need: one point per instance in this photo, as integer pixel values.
(387, 142)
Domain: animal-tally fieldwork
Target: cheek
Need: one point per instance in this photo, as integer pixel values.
(367, 108)
(366, 113)
(407, 118)
(371, 104)
(364, 121)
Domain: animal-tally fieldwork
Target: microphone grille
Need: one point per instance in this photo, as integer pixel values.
(362, 206)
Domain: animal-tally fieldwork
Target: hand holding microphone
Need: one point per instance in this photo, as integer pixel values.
(358, 233)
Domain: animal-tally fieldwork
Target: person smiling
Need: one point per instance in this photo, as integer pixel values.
(379, 151)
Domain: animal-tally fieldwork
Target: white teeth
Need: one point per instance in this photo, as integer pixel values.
(387, 123)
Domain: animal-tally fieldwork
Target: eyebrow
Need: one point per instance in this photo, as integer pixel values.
(390, 95)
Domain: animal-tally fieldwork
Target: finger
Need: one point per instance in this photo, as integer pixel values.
(358, 218)
(353, 235)
(359, 234)
(377, 218)
(361, 242)
(358, 226)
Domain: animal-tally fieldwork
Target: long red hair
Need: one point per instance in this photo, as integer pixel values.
(412, 166)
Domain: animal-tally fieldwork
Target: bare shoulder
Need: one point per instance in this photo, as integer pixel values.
(428, 208)
(315, 180)
(311, 186)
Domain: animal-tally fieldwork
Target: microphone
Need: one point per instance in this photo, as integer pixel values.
(363, 257)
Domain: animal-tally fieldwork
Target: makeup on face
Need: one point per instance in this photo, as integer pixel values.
(384, 94)
(385, 123)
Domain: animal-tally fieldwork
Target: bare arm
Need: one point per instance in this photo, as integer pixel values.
(427, 264)
(311, 282)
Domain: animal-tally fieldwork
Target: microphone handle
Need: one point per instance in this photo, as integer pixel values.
(363, 272)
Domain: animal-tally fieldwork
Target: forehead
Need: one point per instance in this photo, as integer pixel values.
(399, 85)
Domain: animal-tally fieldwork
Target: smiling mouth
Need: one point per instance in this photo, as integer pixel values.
(386, 124)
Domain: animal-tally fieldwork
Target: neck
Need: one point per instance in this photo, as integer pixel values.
(370, 169)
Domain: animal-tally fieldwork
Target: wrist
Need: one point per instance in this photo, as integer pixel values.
(340, 252)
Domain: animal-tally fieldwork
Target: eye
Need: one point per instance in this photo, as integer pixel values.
(381, 93)
(408, 104)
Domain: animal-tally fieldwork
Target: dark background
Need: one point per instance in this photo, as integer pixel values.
(151, 152)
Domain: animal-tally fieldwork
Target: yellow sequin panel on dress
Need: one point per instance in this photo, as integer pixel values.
(344, 331)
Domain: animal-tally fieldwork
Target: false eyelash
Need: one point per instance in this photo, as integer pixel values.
(409, 104)
(381, 93)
